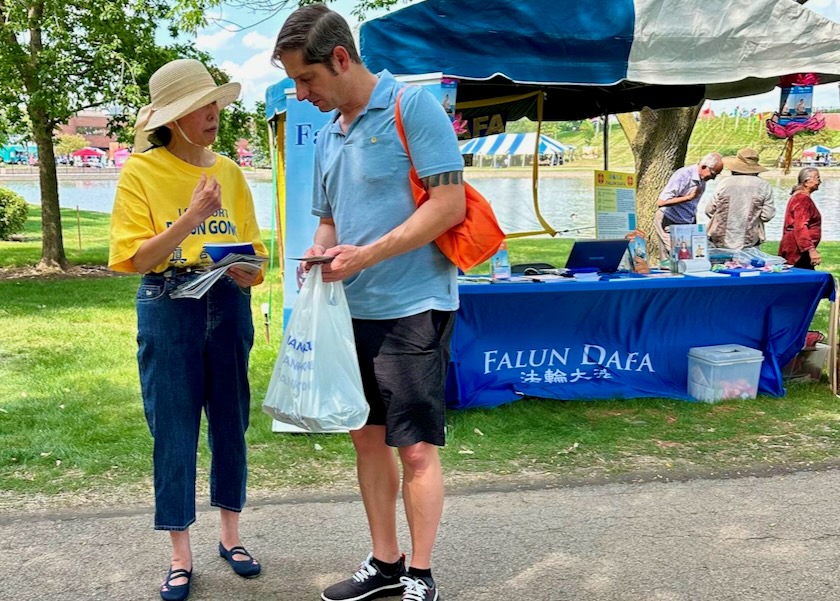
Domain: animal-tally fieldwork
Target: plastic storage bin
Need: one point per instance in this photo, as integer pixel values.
(724, 371)
(808, 364)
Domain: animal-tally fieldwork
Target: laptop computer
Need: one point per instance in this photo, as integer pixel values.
(605, 255)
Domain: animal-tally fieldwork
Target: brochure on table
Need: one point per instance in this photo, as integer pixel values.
(689, 243)
(637, 251)
(500, 264)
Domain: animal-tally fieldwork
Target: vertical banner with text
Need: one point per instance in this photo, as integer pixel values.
(615, 204)
(303, 121)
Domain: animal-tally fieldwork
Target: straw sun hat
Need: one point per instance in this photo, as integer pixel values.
(746, 161)
(177, 89)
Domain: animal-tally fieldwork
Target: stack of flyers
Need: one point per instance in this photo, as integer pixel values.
(197, 287)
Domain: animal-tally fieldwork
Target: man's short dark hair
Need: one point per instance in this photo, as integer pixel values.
(315, 31)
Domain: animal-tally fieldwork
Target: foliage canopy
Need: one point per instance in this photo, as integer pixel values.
(13, 213)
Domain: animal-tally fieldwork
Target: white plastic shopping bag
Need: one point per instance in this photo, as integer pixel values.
(316, 384)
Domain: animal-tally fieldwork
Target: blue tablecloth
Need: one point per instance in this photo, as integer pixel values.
(621, 339)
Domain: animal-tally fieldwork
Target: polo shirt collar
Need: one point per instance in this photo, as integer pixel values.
(695, 174)
(380, 98)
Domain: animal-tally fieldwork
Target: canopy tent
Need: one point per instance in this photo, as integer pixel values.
(592, 58)
(815, 150)
(121, 156)
(89, 151)
(515, 144)
(561, 60)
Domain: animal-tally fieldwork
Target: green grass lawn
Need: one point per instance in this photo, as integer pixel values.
(71, 418)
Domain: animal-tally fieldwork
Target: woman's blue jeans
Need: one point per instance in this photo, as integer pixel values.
(193, 355)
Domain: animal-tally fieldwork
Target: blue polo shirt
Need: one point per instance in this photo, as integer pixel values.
(361, 182)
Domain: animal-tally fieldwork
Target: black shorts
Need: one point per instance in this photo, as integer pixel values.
(403, 363)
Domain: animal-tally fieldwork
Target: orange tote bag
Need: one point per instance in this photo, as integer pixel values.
(475, 239)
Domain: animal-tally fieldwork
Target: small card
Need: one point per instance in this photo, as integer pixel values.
(318, 259)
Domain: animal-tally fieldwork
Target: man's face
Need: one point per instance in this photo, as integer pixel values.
(315, 83)
(707, 173)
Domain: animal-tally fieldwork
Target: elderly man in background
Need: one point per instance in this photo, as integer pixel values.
(741, 205)
(678, 200)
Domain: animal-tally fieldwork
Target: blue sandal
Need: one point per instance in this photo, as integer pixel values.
(175, 592)
(247, 568)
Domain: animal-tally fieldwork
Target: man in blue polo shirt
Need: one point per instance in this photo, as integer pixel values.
(401, 289)
(679, 199)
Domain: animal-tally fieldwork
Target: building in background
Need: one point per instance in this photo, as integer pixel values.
(93, 126)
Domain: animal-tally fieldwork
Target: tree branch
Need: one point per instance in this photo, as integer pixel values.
(628, 126)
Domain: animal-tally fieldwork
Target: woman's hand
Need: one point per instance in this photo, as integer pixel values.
(816, 258)
(206, 199)
(244, 278)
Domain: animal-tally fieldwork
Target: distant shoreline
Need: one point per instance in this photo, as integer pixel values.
(30, 174)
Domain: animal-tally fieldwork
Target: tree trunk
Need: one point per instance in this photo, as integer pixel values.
(659, 147)
(52, 239)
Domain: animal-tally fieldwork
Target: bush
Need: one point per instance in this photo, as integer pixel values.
(13, 212)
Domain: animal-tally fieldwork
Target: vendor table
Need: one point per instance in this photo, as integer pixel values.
(621, 338)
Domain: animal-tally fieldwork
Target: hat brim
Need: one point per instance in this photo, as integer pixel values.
(223, 95)
(737, 165)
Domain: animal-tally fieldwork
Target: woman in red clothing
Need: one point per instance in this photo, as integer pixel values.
(802, 229)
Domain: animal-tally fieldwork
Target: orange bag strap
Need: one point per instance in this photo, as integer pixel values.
(399, 124)
(418, 190)
(401, 129)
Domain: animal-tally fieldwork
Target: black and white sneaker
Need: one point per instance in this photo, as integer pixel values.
(417, 589)
(368, 583)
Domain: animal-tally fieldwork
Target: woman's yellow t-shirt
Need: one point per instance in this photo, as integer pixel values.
(156, 187)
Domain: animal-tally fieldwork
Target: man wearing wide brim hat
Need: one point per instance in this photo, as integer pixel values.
(741, 204)
(745, 162)
(177, 89)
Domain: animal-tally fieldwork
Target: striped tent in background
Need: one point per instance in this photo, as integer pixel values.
(513, 144)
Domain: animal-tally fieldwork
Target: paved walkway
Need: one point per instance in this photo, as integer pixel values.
(762, 539)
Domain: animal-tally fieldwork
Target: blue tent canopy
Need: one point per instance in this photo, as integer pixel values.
(604, 56)
(275, 97)
(818, 149)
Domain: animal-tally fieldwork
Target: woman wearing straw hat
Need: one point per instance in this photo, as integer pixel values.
(741, 204)
(173, 196)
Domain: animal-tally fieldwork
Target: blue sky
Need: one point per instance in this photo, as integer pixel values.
(245, 54)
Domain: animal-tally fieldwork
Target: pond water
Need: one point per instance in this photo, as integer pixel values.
(566, 202)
